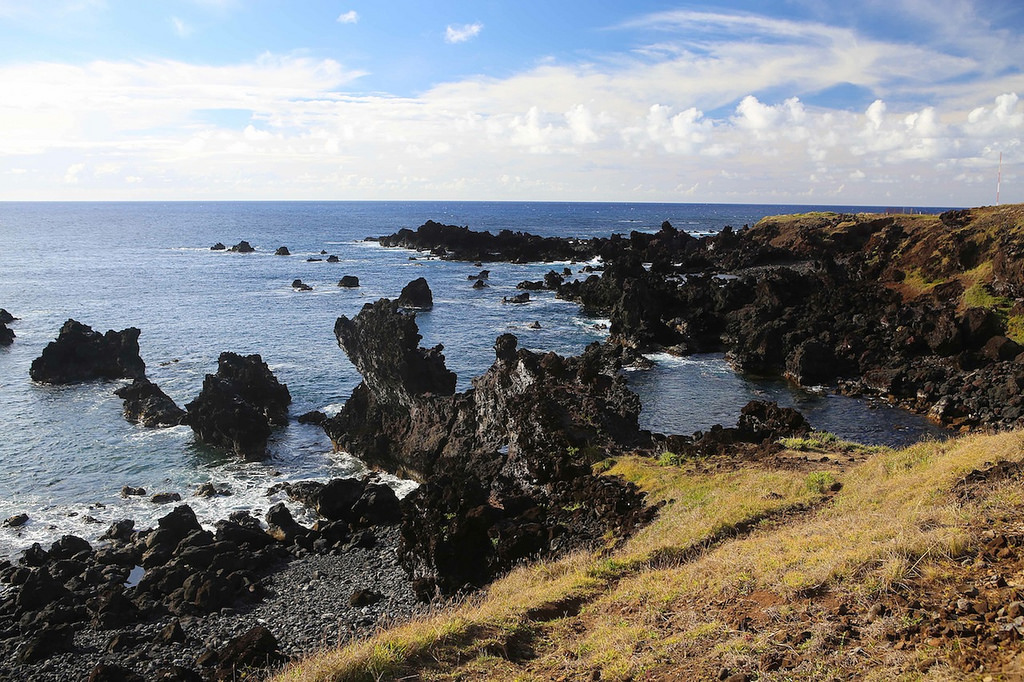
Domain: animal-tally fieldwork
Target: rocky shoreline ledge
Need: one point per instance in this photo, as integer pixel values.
(924, 311)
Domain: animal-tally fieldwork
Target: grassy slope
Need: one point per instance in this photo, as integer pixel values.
(769, 545)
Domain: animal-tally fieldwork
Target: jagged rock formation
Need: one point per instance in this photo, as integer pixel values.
(238, 406)
(145, 403)
(401, 383)
(242, 247)
(81, 354)
(505, 466)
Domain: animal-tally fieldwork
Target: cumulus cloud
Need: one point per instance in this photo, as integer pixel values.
(460, 33)
(349, 17)
(72, 172)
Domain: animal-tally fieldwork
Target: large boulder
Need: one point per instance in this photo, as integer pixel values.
(238, 405)
(6, 334)
(416, 295)
(255, 650)
(145, 403)
(81, 354)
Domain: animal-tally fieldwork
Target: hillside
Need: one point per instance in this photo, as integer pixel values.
(910, 570)
(972, 257)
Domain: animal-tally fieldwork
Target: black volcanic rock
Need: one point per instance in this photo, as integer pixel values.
(398, 376)
(218, 247)
(282, 251)
(416, 295)
(503, 463)
(81, 354)
(461, 243)
(238, 405)
(254, 650)
(6, 317)
(145, 403)
(6, 335)
(349, 281)
(242, 247)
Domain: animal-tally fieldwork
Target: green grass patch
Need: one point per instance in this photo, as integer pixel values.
(980, 296)
(825, 442)
(820, 481)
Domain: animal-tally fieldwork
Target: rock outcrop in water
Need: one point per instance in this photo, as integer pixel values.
(145, 403)
(416, 295)
(81, 354)
(461, 243)
(238, 406)
(505, 466)
(6, 333)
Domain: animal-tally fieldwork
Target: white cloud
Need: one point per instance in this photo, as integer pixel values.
(182, 29)
(460, 33)
(691, 117)
(349, 17)
(72, 173)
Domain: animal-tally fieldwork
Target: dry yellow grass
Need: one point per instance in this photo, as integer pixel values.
(645, 604)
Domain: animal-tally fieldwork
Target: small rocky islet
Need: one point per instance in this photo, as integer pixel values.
(859, 303)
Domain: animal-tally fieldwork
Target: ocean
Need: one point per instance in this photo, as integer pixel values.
(66, 451)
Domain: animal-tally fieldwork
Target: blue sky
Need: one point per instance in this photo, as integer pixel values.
(896, 102)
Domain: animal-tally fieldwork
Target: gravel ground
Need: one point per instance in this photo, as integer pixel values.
(306, 607)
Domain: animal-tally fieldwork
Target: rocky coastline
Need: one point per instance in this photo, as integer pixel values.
(509, 470)
(925, 312)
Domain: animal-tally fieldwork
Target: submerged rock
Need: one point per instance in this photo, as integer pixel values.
(81, 354)
(416, 295)
(238, 405)
(299, 285)
(145, 403)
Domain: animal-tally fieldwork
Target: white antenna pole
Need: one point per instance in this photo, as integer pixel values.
(999, 177)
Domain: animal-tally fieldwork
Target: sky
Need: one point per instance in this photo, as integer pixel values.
(876, 102)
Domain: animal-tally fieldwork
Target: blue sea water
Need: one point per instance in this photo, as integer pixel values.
(65, 452)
